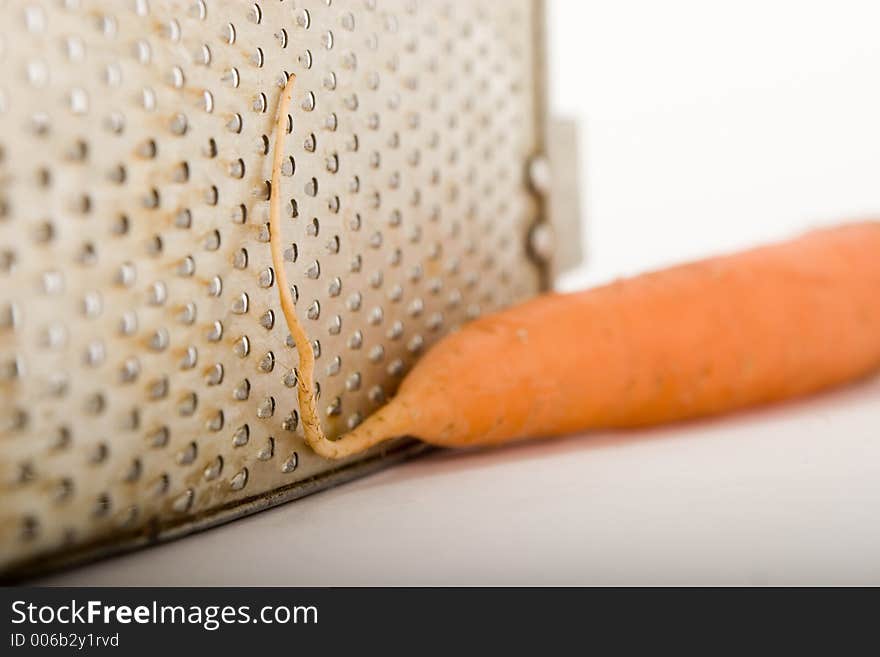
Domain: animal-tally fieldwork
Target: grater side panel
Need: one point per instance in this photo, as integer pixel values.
(146, 371)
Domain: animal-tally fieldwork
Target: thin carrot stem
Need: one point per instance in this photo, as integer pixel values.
(313, 432)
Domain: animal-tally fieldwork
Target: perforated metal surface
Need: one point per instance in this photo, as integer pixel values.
(146, 372)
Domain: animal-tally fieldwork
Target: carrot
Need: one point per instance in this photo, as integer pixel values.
(696, 340)
(701, 339)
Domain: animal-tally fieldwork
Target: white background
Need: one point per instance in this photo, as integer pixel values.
(710, 125)
(706, 126)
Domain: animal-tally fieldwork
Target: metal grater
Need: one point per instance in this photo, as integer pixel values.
(147, 375)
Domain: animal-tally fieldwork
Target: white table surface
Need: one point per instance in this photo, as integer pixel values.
(783, 495)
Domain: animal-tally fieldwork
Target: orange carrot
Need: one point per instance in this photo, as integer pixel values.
(696, 340)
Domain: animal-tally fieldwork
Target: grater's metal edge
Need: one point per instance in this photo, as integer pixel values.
(540, 87)
(30, 569)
